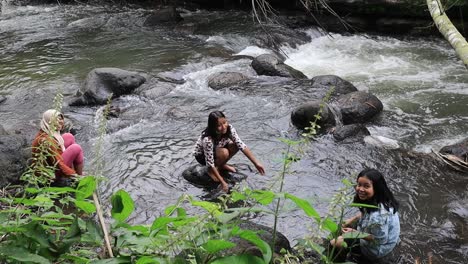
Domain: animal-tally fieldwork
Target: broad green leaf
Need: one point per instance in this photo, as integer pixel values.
(330, 225)
(87, 207)
(355, 234)
(236, 196)
(161, 222)
(147, 260)
(75, 259)
(227, 217)
(253, 238)
(122, 205)
(212, 208)
(22, 255)
(170, 210)
(44, 201)
(305, 205)
(86, 187)
(263, 197)
(214, 246)
(181, 221)
(54, 215)
(241, 259)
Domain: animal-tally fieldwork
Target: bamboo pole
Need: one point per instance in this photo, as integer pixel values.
(103, 224)
(448, 30)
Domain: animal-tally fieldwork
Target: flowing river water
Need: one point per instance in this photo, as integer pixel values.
(423, 86)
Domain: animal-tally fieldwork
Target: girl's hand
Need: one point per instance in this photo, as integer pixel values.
(225, 187)
(260, 168)
(347, 230)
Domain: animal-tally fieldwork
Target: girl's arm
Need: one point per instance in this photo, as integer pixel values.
(214, 171)
(350, 222)
(255, 162)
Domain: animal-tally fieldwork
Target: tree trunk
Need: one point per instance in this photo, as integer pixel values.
(448, 30)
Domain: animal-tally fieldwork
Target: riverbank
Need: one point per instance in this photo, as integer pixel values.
(391, 17)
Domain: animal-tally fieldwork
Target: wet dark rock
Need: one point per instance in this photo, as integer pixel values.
(198, 176)
(304, 114)
(352, 131)
(163, 16)
(222, 80)
(101, 83)
(13, 158)
(459, 149)
(267, 64)
(339, 85)
(275, 37)
(358, 107)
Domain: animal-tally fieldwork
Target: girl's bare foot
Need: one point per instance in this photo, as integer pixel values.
(228, 168)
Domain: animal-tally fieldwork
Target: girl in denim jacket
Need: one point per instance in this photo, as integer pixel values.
(382, 223)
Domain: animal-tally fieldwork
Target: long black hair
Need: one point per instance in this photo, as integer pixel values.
(210, 130)
(382, 194)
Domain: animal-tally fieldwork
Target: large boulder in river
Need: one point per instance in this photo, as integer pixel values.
(358, 107)
(222, 80)
(267, 64)
(302, 116)
(14, 154)
(102, 83)
(163, 16)
(339, 85)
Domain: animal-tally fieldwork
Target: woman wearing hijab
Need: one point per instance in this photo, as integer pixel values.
(61, 152)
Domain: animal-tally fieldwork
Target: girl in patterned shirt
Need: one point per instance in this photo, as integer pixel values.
(216, 146)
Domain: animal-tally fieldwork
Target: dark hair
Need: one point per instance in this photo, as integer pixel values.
(382, 194)
(210, 130)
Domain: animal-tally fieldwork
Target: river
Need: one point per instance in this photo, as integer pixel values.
(422, 84)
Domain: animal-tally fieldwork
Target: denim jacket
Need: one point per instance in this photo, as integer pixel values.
(384, 226)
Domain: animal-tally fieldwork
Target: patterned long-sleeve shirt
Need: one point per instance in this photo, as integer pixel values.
(206, 145)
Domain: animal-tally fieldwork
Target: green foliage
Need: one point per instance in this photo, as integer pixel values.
(122, 205)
